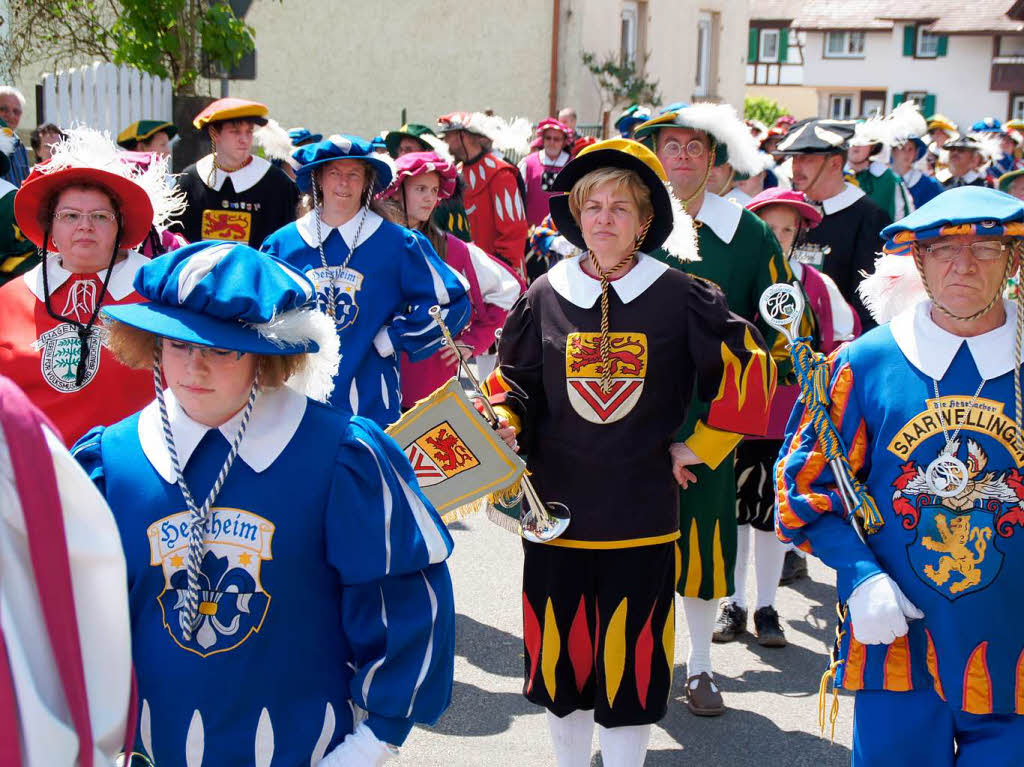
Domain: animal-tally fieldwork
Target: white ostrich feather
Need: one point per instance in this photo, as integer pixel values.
(990, 145)
(438, 147)
(84, 147)
(682, 242)
(167, 199)
(722, 122)
(508, 136)
(906, 122)
(894, 286)
(274, 140)
(300, 326)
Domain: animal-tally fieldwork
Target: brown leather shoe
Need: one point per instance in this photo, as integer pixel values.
(703, 698)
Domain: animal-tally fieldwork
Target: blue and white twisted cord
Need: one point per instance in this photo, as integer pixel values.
(199, 517)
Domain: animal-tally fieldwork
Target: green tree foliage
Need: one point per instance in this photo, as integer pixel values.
(765, 110)
(621, 82)
(179, 39)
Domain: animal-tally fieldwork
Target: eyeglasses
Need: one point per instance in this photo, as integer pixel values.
(98, 218)
(986, 250)
(694, 149)
(208, 353)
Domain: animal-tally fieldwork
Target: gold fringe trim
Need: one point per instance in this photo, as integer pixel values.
(503, 520)
(466, 510)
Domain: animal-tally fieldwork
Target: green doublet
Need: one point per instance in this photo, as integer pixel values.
(17, 254)
(742, 257)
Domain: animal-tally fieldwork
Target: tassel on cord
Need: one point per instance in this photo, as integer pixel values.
(829, 677)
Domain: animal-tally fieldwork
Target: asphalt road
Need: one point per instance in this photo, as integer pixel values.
(772, 694)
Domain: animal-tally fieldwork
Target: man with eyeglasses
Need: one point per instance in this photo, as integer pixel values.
(739, 253)
(929, 409)
(845, 242)
(12, 107)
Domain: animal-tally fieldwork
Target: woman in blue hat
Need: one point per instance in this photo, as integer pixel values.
(929, 408)
(376, 279)
(283, 567)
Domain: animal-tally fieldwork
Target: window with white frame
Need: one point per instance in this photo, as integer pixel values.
(917, 97)
(927, 44)
(702, 86)
(839, 45)
(768, 51)
(840, 106)
(1017, 108)
(628, 32)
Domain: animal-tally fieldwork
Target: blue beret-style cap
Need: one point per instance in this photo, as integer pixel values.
(339, 147)
(220, 294)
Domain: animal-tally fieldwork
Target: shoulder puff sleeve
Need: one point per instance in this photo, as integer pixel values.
(388, 545)
(426, 281)
(87, 452)
(515, 386)
(809, 511)
(735, 374)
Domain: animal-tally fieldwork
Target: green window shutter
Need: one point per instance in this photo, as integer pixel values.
(928, 109)
(752, 45)
(909, 40)
(943, 45)
(897, 99)
(783, 45)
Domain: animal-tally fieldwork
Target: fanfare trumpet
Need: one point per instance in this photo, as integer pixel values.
(539, 522)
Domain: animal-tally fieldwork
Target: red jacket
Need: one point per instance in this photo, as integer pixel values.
(497, 217)
(40, 355)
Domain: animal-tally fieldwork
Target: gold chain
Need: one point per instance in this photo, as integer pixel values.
(605, 347)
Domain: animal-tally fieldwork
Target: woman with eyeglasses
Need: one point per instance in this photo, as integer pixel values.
(85, 210)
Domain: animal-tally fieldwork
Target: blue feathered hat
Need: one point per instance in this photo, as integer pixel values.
(975, 210)
(224, 295)
(302, 136)
(340, 147)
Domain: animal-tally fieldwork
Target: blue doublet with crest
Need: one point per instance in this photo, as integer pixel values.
(382, 299)
(323, 584)
(960, 559)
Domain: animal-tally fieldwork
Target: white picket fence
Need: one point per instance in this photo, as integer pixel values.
(105, 97)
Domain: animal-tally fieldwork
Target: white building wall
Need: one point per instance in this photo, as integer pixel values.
(959, 80)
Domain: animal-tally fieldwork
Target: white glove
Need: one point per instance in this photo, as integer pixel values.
(359, 749)
(879, 610)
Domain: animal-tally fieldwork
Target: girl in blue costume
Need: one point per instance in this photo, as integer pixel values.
(376, 279)
(285, 573)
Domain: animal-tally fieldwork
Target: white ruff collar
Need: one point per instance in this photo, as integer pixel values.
(721, 215)
(121, 285)
(275, 419)
(577, 287)
(307, 228)
(843, 200)
(241, 179)
(931, 349)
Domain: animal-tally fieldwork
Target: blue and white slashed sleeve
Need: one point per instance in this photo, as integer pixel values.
(389, 546)
(426, 281)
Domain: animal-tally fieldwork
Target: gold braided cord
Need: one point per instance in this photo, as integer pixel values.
(1016, 254)
(212, 175)
(605, 347)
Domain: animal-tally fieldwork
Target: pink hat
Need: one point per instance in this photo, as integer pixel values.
(418, 163)
(550, 123)
(778, 195)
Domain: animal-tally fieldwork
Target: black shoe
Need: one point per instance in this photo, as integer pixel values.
(794, 567)
(732, 621)
(766, 626)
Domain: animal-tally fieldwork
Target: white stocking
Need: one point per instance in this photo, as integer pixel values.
(624, 746)
(769, 552)
(742, 565)
(700, 621)
(571, 736)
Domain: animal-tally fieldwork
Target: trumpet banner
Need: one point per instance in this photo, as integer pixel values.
(458, 458)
